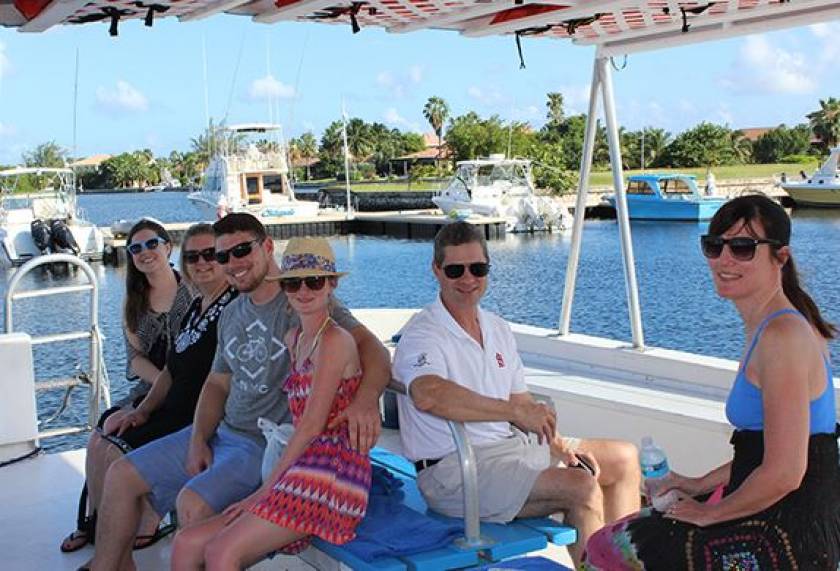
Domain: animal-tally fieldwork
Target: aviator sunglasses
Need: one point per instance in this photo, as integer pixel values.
(742, 248)
(313, 283)
(151, 244)
(477, 269)
(192, 256)
(238, 251)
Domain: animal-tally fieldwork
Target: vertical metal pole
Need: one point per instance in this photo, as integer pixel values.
(621, 205)
(580, 205)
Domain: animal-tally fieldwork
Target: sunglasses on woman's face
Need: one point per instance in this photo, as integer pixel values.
(192, 256)
(313, 283)
(741, 248)
(151, 244)
(238, 251)
(477, 269)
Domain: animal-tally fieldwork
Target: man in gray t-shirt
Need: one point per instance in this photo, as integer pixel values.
(252, 351)
(215, 462)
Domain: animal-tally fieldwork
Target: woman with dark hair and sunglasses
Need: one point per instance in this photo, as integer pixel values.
(776, 505)
(320, 484)
(156, 301)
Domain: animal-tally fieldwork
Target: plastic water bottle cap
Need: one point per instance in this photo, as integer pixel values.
(647, 441)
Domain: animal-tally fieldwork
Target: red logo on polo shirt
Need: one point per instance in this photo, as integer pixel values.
(500, 360)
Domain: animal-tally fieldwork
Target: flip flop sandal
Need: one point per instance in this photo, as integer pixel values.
(75, 541)
(144, 541)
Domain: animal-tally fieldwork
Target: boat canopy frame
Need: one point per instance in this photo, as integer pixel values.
(615, 27)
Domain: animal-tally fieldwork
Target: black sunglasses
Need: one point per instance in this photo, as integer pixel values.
(477, 269)
(238, 251)
(313, 283)
(742, 248)
(192, 256)
(151, 244)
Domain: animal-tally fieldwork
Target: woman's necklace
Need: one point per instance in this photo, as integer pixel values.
(299, 359)
(208, 300)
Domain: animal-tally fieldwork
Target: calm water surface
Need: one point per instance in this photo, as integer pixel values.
(680, 308)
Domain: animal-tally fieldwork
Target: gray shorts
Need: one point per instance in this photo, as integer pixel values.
(233, 474)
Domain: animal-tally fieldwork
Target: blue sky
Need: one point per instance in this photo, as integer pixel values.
(146, 87)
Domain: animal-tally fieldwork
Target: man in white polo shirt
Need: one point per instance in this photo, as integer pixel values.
(460, 362)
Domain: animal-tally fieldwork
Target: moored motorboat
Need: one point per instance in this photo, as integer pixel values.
(821, 189)
(46, 221)
(498, 186)
(667, 197)
(249, 177)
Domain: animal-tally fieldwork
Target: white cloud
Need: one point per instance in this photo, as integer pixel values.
(527, 113)
(123, 97)
(575, 97)
(486, 97)
(762, 67)
(399, 84)
(393, 118)
(269, 87)
(5, 62)
(7, 130)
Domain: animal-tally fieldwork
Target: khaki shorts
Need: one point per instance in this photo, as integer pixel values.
(518, 459)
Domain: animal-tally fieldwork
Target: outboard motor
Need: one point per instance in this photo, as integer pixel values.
(63, 240)
(41, 235)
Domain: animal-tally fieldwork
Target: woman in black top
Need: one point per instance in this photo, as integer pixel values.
(170, 404)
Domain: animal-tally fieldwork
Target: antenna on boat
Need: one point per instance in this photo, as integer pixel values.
(346, 158)
(642, 161)
(206, 90)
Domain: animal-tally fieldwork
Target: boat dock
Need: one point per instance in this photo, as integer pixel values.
(410, 224)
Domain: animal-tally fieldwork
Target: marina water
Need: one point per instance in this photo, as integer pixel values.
(679, 306)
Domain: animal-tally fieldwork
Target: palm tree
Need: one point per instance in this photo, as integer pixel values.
(554, 109)
(306, 146)
(436, 112)
(825, 122)
(46, 155)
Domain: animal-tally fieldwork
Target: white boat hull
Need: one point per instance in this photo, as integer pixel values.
(824, 196)
(17, 245)
(213, 208)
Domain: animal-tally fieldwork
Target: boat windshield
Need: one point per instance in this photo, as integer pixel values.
(639, 187)
(672, 186)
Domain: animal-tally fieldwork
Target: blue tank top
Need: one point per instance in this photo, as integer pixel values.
(744, 407)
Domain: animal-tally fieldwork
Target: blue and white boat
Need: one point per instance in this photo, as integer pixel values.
(667, 197)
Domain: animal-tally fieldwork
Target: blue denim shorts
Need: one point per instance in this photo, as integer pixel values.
(233, 474)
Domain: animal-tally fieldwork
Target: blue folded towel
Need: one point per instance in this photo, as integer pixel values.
(391, 529)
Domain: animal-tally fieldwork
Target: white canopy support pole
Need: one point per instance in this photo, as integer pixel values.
(580, 205)
(621, 204)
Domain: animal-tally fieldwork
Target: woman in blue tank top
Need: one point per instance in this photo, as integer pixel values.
(776, 505)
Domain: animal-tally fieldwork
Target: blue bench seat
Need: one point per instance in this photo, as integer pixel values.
(503, 540)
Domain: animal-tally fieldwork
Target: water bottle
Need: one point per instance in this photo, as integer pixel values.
(654, 466)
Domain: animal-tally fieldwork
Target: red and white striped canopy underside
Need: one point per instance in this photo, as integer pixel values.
(618, 26)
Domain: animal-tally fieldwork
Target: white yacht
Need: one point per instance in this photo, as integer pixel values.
(498, 186)
(821, 189)
(244, 176)
(45, 221)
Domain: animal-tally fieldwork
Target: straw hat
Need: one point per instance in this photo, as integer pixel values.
(307, 257)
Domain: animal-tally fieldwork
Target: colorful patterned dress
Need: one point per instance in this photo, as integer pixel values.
(325, 492)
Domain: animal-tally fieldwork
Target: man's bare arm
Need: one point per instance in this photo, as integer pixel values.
(208, 415)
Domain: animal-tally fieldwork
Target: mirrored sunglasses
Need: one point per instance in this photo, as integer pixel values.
(477, 269)
(151, 244)
(192, 256)
(238, 251)
(742, 248)
(313, 283)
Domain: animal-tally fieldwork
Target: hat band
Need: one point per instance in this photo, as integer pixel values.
(307, 262)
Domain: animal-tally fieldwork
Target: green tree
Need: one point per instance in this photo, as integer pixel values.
(304, 147)
(469, 136)
(436, 112)
(554, 110)
(550, 170)
(825, 122)
(49, 155)
(775, 144)
(214, 138)
(706, 144)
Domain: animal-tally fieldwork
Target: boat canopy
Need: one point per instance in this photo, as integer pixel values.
(38, 171)
(615, 26)
(253, 128)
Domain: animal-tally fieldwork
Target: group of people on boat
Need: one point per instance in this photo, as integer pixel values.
(234, 340)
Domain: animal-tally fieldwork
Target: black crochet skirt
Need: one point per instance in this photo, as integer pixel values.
(801, 531)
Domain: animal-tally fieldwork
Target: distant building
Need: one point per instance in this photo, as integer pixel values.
(752, 134)
(92, 161)
(431, 155)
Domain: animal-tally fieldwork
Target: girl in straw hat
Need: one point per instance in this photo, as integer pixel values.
(320, 484)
